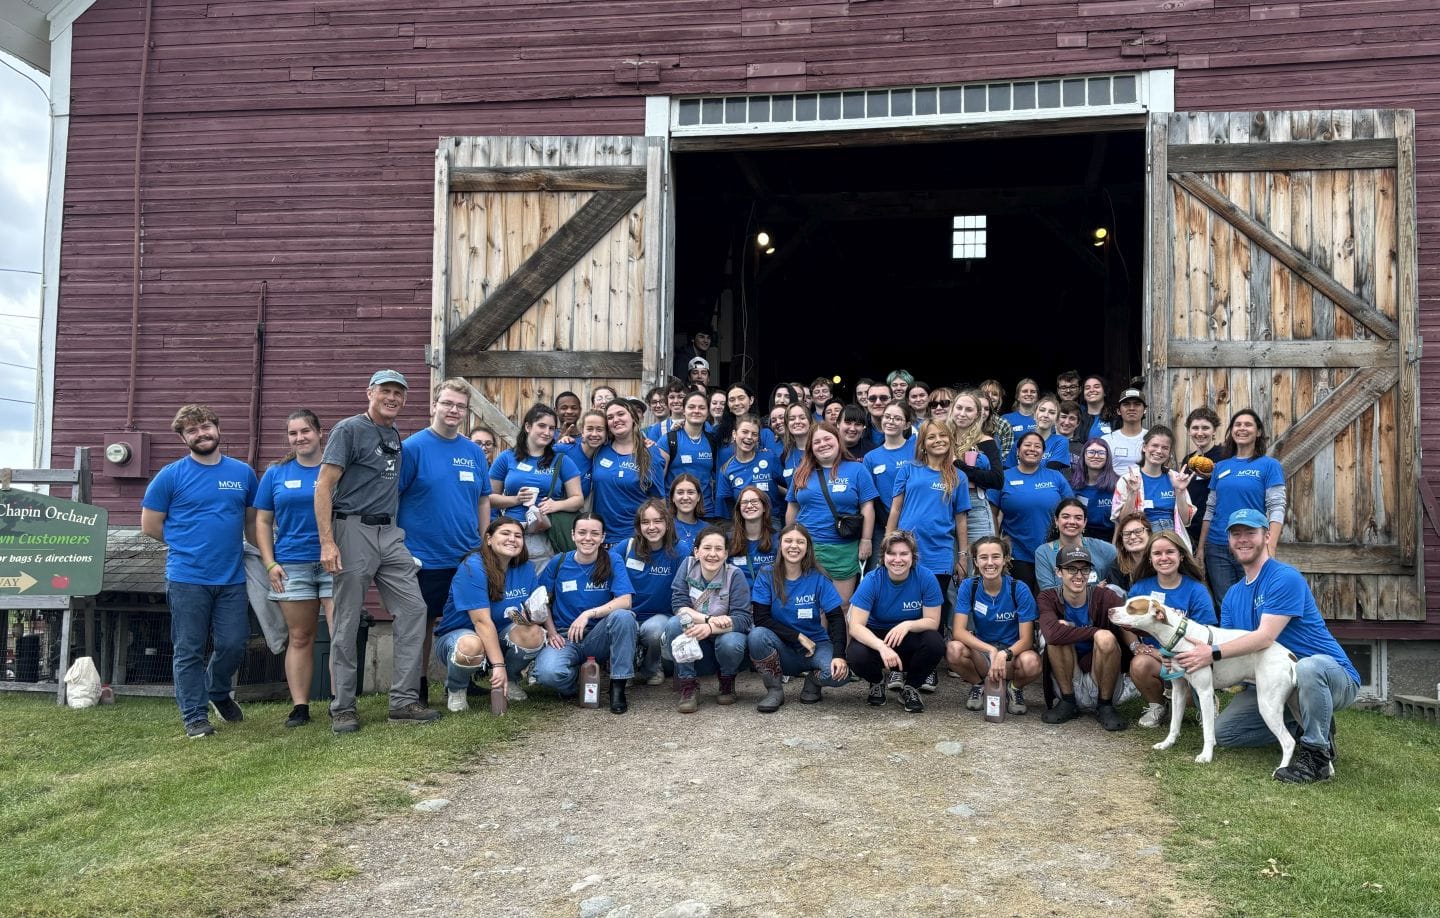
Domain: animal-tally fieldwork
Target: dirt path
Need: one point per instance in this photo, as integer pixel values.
(836, 809)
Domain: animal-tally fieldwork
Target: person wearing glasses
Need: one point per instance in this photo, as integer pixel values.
(1132, 539)
(1094, 480)
(486, 439)
(752, 533)
(357, 498)
(1075, 620)
(937, 407)
(444, 501)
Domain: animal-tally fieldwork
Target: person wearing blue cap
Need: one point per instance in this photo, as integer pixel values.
(1273, 603)
(357, 497)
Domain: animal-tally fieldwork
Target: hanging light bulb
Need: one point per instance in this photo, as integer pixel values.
(762, 239)
(1100, 235)
(770, 251)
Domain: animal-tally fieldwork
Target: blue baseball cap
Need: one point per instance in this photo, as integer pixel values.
(1250, 519)
(389, 376)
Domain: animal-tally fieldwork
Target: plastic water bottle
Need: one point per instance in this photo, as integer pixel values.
(685, 649)
(994, 700)
(590, 683)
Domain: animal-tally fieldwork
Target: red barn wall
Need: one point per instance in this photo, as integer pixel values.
(291, 142)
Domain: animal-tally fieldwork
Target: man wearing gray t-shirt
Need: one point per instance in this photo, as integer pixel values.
(356, 498)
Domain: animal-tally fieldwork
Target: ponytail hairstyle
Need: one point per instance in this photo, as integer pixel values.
(299, 414)
(641, 546)
(603, 571)
(1005, 554)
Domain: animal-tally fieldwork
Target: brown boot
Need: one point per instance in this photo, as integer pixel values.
(727, 690)
(770, 672)
(689, 696)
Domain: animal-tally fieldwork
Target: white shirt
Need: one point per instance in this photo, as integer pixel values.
(1124, 450)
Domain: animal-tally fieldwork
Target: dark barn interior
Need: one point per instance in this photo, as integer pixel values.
(863, 276)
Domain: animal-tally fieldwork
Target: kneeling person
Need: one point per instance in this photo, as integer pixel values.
(714, 597)
(895, 623)
(1001, 645)
(1075, 621)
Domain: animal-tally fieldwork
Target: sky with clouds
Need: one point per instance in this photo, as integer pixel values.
(24, 154)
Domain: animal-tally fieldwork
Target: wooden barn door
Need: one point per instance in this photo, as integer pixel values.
(1283, 278)
(546, 269)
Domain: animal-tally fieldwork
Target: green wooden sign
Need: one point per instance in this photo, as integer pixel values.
(50, 547)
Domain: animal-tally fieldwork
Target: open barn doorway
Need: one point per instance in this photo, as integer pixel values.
(957, 261)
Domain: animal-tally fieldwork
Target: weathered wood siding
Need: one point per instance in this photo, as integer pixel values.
(292, 141)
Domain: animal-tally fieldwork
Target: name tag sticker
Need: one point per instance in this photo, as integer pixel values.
(524, 467)
(979, 607)
(635, 564)
(805, 613)
(789, 472)
(1224, 473)
(1121, 450)
(1149, 505)
(569, 586)
(467, 475)
(686, 460)
(1016, 484)
(741, 562)
(1157, 596)
(761, 486)
(879, 470)
(607, 463)
(1083, 499)
(293, 484)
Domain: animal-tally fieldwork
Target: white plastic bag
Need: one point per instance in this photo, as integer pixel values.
(684, 648)
(82, 684)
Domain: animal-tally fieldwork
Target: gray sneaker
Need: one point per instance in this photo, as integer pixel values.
(344, 722)
(976, 701)
(413, 713)
(227, 710)
(199, 729)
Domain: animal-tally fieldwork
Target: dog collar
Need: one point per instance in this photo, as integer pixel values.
(1177, 636)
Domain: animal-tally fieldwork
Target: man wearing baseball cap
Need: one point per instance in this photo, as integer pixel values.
(1274, 603)
(699, 372)
(357, 497)
(1075, 619)
(1126, 442)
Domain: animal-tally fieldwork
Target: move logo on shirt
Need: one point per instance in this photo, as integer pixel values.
(1044, 485)
(911, 605)
(232, 485)
(593, 587)
(1248, 473)
(462, 462)
(516, 592)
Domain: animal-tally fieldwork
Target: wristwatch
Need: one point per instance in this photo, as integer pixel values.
(1009, 654)
(1214, 651)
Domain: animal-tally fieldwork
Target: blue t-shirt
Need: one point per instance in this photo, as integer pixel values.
(807, 598)
(755, 562)
(657, 432)
(1159, 498)
(930, 515)
(514, 474)
(890, 603)
(1020, 424)
(694, 457)
(789, 462)
(851, 488)
(572, 589)
(441, 485)
(997, 618)
(618, 490)
(1097, 502)
(1279, 589)
(1191, 597)
(288, 491)
(735, 476)
(651, 579)
(1239, 484)
(1028, 503)
(1099, 427)
(1057, 451)
(685, 534)
(471, 590)
(885, 465)
(1078, 616)
(575, 452)
(204, 507)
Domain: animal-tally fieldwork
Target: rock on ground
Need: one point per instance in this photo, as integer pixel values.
(860, 813)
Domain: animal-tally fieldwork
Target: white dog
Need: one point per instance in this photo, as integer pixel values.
(1272, 670)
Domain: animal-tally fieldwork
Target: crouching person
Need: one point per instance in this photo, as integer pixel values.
(590, 600)
(715, 597)
(1001, 646)
(1075, 619)
(895, 624)
(799, 622)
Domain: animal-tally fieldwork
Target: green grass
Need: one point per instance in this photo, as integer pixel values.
(1364, 844)
(112, 811)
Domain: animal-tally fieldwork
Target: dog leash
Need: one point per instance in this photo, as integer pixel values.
(1167, 651)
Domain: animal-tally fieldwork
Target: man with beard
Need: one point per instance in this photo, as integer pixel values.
(201, 506)
(357, 497)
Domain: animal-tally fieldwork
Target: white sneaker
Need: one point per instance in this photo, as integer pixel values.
(1154, 716)
(515, 692)
(456, 701)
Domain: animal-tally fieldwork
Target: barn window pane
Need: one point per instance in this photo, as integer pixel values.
(714, 111)
(1024, 96)
(1049, 93)
(760, 108)
(950, 100)
(1074, 93)
(854, 105)
(925, 101)
(1124, 89)
(902, 102)
(782, 108)
(829, 106)
(735, 111)
(806, 108)
(1099, 90)
(689, 111)
(1000, 97)
(974, 98)
(877, 104)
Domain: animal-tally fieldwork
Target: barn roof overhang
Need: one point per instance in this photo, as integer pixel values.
(27, 27)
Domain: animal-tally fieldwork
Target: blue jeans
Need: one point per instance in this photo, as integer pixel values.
(793, 662)
(653, 645)
(1222, 571)
(1324, 687)
(723, 652)
(457, 676)
(199, 612)
(612, 639)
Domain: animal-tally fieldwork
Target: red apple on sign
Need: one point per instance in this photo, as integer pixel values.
(60, 582)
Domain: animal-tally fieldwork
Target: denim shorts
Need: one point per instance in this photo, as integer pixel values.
(304, 580)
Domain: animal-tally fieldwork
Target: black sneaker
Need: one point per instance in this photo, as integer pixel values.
(199, 729)
(895, 680)
(910, 699)
(413, 713)
(344, 722)
(1308, 765)
(1109, 718)
(1062, 712)
(877, 694)
(929, 685)
(227, 710)
(299, 716)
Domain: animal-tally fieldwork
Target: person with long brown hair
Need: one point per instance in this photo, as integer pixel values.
(651, 556)
(1132, 538)
(752, 534)
(799, 624)
(1167, 573)
(714, 598)
(1245, 479)
(979, 454)
(830, 494)
(626, 470)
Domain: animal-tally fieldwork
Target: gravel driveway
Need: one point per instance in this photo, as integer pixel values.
(836, 809)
